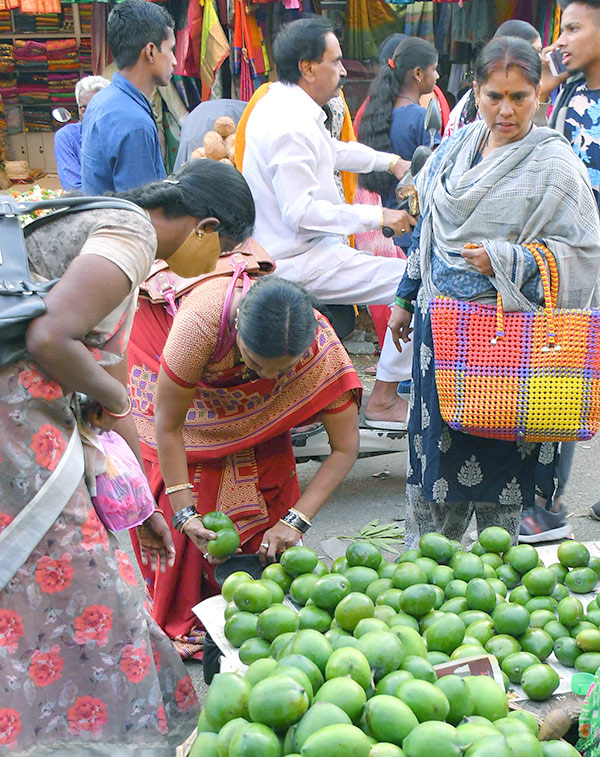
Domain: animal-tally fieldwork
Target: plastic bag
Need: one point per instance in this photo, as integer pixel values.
(589, 722)
(123, 497)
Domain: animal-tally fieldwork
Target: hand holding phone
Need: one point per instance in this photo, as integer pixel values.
(555, 62)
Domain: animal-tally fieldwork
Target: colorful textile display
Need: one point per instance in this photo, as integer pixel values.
(250, 58)
(8, 88)
(188, 42)
(40, 6)
(30, 54)
(214, 49)
(62, 88)
(7, 60)
(85, 54)
(419, 21)
(368, 23)
(85, 18)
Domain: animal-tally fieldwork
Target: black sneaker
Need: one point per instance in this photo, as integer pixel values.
(595, 511)
(539, 525)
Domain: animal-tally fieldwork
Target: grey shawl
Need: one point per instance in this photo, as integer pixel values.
(533, 189)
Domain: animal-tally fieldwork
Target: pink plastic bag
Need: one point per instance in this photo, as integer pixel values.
(123, 497)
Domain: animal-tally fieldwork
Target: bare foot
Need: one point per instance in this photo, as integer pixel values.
(396, 412)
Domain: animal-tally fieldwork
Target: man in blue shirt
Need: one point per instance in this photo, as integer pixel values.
(120, 148)
(67, 141)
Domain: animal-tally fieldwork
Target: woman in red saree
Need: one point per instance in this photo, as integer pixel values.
(233, 380)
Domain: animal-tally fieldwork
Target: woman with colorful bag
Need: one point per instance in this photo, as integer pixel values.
(487, 192)
(84, 669)
(245, 360)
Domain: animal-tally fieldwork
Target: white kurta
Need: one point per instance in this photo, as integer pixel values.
(289, 163)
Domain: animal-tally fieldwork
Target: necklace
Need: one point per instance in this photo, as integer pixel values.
(404, 97)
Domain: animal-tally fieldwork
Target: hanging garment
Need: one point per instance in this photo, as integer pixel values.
(189, 43)
(215, 47)
(474, 23)
(249, 53)
(419, 21)
(368, 23)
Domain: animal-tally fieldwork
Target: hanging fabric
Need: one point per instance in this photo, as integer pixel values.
(101, 56)
(249, 52)
(557, 16)
(214, 49)
(419, 21)
(40, 6)
(188, 44)
(368, 23)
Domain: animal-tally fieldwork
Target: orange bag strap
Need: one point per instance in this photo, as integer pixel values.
(549, 274)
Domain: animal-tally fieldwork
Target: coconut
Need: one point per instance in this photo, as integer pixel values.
(225, 126)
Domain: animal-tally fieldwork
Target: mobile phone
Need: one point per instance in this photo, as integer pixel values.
(555, 63)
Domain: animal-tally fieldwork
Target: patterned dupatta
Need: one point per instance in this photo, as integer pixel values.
(234, 411)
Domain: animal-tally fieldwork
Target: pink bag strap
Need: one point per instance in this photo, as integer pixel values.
(225, 342)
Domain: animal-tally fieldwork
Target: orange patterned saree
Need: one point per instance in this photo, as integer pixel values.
(236, 433)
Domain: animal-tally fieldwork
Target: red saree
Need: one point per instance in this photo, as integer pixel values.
(236, 434)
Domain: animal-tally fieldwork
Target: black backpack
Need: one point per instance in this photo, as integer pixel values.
(22, 300)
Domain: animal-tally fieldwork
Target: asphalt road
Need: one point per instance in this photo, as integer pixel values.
(366, 494)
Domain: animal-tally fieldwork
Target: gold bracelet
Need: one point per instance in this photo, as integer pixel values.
(178, 488)
(394, 162)
(305, 518)
(290, 526)
(185, 522)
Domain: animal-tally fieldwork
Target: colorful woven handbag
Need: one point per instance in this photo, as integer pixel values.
(531, 376)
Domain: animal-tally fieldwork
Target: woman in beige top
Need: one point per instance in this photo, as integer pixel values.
(84, 668)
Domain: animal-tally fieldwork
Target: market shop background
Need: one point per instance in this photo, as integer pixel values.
(224, 49)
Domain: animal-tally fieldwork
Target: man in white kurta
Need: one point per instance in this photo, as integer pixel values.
(289, 163)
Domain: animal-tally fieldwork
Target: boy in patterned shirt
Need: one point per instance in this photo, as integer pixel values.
(576, 114)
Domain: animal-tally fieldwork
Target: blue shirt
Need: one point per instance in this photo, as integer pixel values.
(67, 153)
(407, 132)
(120, 148)
(582, 129)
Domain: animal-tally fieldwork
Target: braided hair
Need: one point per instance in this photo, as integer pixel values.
(376, 123)
(276, 318)
(202, 189)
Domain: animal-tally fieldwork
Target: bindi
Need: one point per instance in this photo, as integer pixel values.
(505, 92)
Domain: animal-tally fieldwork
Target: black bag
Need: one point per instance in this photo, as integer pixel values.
(22, 300)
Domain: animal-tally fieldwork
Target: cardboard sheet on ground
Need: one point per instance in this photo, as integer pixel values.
(211, 611)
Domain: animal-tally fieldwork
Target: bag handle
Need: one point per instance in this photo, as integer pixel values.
(549, 277)
(66, 205)
(224, 343)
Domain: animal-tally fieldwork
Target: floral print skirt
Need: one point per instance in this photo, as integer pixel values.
(452, 474)
(84, 670)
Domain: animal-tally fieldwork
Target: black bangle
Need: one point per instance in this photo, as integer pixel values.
(182, 515)
(295, 521)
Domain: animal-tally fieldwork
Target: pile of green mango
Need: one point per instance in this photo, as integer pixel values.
(351, 672)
